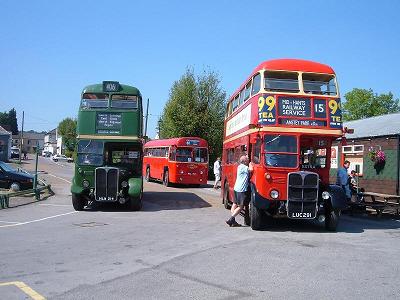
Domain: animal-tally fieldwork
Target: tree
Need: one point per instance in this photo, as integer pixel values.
(67, 129)
(362, 103)
(195, 108)
(10, 119)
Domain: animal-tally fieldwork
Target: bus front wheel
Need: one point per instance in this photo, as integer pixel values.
(255, 214)
(77, 202)
(166, 178)
(332, 219)
(135, 203)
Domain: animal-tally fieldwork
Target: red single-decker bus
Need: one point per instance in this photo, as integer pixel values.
(285, 117)
(181, 160)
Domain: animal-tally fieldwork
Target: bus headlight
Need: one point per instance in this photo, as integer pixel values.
(325, 195)
(85, 184)
(124, 184)
(274, 194)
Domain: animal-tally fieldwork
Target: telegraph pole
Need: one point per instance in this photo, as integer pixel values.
(147, 118)
(21, 137)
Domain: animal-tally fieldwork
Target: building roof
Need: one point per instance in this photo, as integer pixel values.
(4, 132)
(375, 126)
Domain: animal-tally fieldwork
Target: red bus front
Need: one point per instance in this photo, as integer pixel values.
(285, 117)
(178, 160)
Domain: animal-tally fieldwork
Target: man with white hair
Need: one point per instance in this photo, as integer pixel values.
(241, 190)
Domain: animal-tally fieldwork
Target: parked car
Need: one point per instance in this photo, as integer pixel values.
(14, 179)
(14, 153)
(58, 157)
(46, 153)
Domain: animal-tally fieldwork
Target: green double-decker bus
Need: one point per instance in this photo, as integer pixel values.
(108, 166)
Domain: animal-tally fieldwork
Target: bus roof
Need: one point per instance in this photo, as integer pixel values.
(181, 141)
(288, 64)
(125, 89)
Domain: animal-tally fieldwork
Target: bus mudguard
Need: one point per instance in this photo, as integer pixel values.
(337, 197)
(76, 189)
(258, 201)
(135, 186)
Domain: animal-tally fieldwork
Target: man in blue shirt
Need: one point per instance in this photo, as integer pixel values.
(342, 179)
(241, 189)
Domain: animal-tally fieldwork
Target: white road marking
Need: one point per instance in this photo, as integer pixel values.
(50, 204)
(9, 222)
(38, 220)
(59, 178)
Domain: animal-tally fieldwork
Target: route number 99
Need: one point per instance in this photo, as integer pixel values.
(269, 101)
(334, 106)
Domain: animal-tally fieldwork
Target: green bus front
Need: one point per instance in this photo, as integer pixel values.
(109, 147)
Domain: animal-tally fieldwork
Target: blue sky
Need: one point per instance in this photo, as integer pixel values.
(49, 50)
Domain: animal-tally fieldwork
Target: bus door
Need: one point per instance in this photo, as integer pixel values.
(255, 157)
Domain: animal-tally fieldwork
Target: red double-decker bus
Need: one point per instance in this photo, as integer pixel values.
(285, 117)
(181, 160)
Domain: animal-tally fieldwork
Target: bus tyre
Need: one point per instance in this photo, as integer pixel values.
(332, 219)
(135, 203)
(166, 178)
(255, 214)
(147, 176)
(77, 202)
(225, 198)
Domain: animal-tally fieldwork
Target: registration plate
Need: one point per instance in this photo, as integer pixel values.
(302, 215)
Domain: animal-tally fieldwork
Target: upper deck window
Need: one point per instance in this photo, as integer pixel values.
(241, 98)
(319, 84)
(235, 102)
(247, 91)
(277, 81)
(92, 100)
(256, 84)
(124, 101)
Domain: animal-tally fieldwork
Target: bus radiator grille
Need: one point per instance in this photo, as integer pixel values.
(106, 184)
(302, 195)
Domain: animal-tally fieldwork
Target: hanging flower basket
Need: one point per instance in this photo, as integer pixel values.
(377, 156)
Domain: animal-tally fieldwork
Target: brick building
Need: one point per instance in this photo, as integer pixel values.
(371, 135)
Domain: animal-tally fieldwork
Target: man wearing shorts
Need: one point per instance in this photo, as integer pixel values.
(241, 190)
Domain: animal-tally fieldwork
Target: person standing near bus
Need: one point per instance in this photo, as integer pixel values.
(217, 172)
(342, 179)
(241, 187)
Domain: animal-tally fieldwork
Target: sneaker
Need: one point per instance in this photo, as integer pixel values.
(236, 224)
(230, 222)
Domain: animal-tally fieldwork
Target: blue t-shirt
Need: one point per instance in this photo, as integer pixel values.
(342, 179)
(242, 178)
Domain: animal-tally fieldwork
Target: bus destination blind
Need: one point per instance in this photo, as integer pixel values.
(108, 123)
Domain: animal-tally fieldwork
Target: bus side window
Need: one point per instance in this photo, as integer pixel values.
(230, 156)
(241, 100)
(247, 91)
(257, 152)
(256, 84)
(238, 153)
(172, 154)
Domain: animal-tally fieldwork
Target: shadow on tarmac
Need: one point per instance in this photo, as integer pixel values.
(347, 224)
(157, 201)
